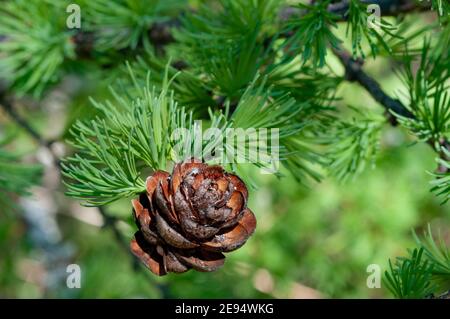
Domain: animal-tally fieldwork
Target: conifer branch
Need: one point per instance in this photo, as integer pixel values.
(7, 105)
(388, 7)
(160, 34)
(355, 73)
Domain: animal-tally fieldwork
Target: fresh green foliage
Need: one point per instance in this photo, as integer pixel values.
(441, 185)
(442, 46)
(358, 25)
(226, 45)
(438, 253)
(312, 33)
(120, 24)
(129, 134)
(232, 22)
(428, 93)
(189, 89)
(304, 83)
(424, 273)
(15, 177)
(442, 7)
(353, 144)
(98, 186)
(37, 43)
(257, 109)
(409, 277)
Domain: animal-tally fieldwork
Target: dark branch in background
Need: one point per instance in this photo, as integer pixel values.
(7, 106)
(388, 8)
(354, 73)
(160, 35)
(353, 68)
(110, 221)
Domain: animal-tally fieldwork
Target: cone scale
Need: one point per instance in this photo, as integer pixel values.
(188, 219)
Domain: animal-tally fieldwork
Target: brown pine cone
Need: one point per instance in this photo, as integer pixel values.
(187, 219)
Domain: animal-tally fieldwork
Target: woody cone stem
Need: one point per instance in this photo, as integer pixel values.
(188, 219)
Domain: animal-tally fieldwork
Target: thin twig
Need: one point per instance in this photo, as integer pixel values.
(110, 221)
(340, 9)
(355, 73)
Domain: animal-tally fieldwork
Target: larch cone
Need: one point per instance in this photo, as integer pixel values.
(188, 219)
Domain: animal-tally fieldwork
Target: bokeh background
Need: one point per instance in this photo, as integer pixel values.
(312, 241)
